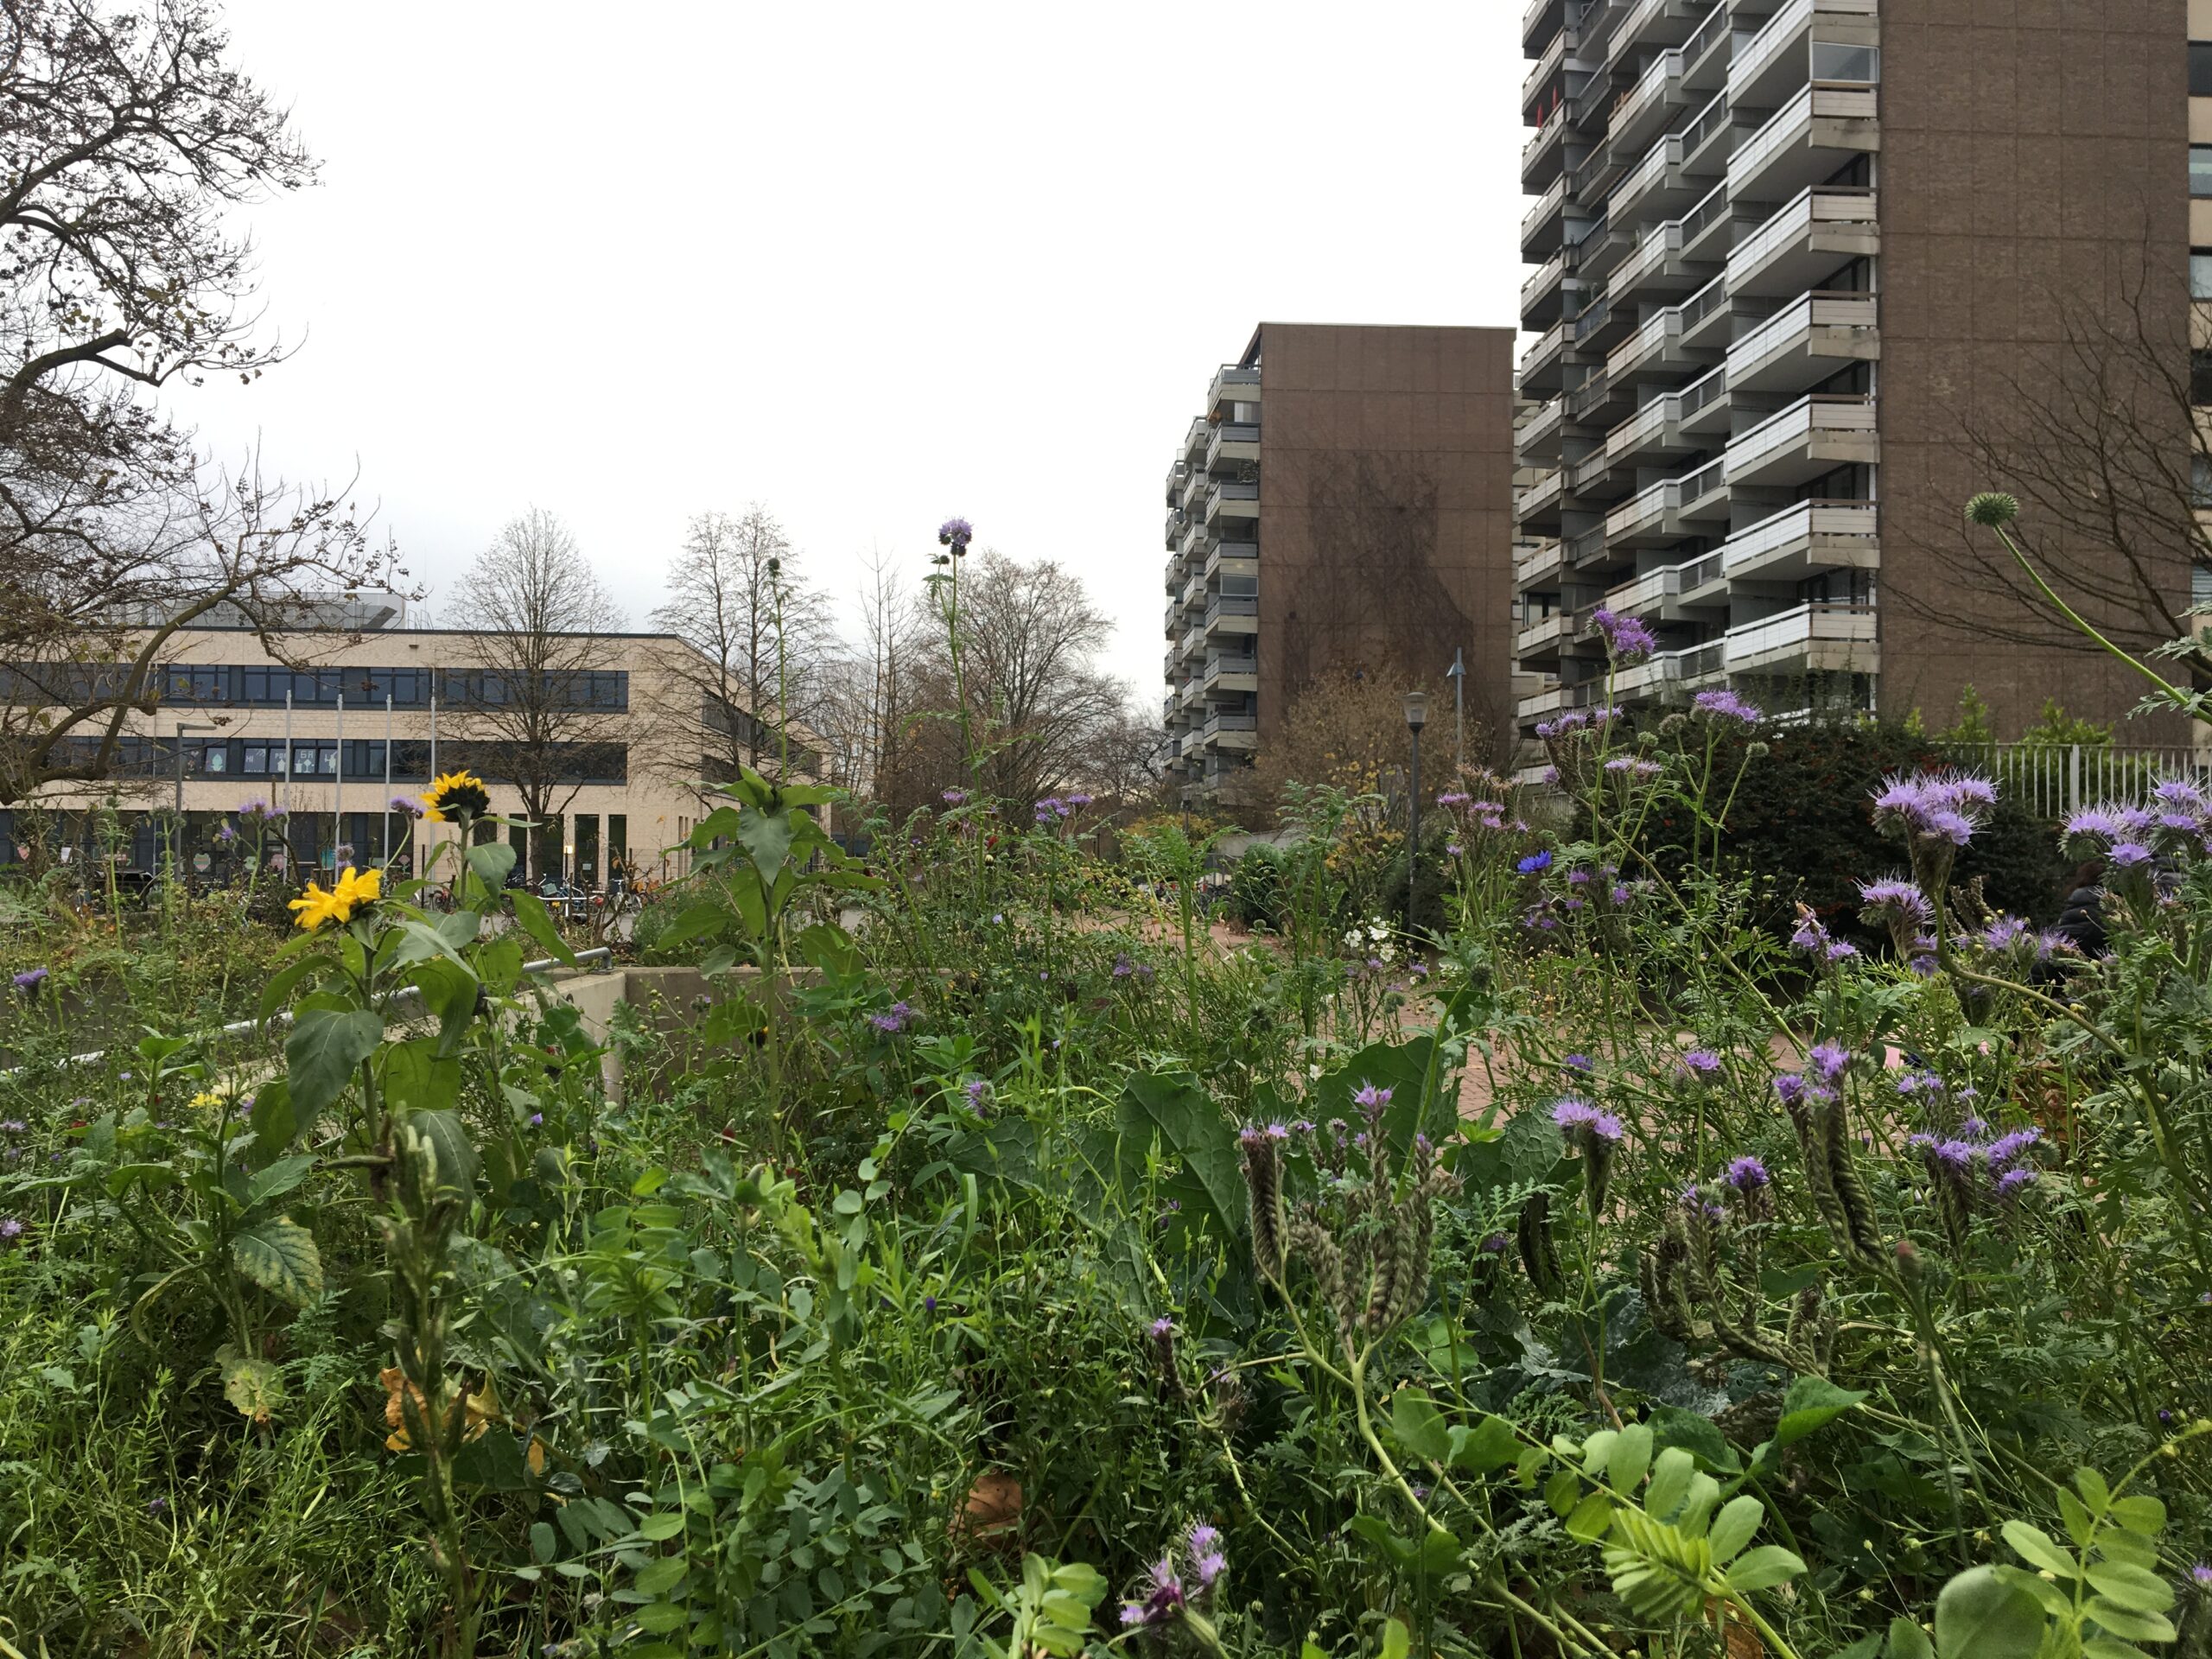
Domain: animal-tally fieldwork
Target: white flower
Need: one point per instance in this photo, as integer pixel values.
(1352, 939)
(1313, 1072)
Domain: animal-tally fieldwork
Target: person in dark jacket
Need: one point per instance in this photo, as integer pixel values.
(2081, 918)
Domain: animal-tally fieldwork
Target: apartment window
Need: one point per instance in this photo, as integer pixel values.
(2200, 481)
(2200, 68)
(2200, 170)
(1832, 60)
(2200, 377)
(2200, 273)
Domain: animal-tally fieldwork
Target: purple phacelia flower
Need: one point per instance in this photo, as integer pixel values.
(892, 1021)
(955, 533)
(1726, 705)
(1746, 1174)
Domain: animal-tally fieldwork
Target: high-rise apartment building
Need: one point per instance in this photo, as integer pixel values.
(1343, 499)
(1787, 252)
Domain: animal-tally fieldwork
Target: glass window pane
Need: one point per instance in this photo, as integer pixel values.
(256, 757)
(2200, 68)
(2200, 170)
(1835, 61)
(2200, 273)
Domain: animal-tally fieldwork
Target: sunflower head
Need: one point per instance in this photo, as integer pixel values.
(458, 794)
(314, 907)
(354, 890)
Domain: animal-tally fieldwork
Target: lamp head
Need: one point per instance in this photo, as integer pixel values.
(1416, 710)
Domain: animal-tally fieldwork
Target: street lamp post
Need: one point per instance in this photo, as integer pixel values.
(1416, 717)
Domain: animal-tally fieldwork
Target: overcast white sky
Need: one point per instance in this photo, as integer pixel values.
(870, 263)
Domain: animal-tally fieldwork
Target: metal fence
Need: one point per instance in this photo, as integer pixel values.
(2054, 780)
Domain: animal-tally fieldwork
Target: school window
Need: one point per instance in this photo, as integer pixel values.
(2200, 68)
(2200, 170)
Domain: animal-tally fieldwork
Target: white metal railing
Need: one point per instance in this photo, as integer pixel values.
(1657, 244)
(1806, 312)
(1546, 488)
(1714, 27)
(1804, 521)
(1554, 55)
(1663, 154)
(1790, 122)
(1713, 384)
(1547, 204)
(1667, 66)
(1657, 415)
(1544, 702)
(1650, 334)
(1796, 424)
(1760, 49)
(1549, 416)
(1707, 121)
(1545, 275)
(1646, 589)
(1795, 218)
(1559, 626)
(1645, 504)
(1548, 132)
(1541, 563)
(1846, 621)
(1551, 341)
(2055, 780)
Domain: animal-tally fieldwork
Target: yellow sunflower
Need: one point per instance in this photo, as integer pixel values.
(315, 907)
(349, 892)
(455, 793)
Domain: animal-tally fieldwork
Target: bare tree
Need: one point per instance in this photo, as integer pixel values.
(545, 710)
(1037, 702)
(2101, 436)
(126, 146)
(1345, 728)
(759, 635)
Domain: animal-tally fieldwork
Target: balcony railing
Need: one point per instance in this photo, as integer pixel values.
(1232, 381)
(1541, 562)
(1543, 491)
(1650, 86)
(1226, 433)
(1546, 276)
(1223, 492)
(1544, 632)
(1659, 243)
(1776, 35)
(1849, 524)
(1713, 384)
(1649, 336)
(1652, 502)
(1221, 663)
(1587, 545)
(1714, 27)
(1545, 67)
(1808, 311)
(1223, 605)
(1798, 423)
(1664, 153)
(1820, 621)
(1817, 204)
(1649, 421)
(1819, 101)
(1587, 395)
(1547, 204)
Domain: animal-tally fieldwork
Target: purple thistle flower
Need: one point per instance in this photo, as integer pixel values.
(536, 1120)
(1826, 1062)
(955, 533)
(1123, 966)
(1726, 705)
(1453, 849)
(1370, 1099)
(1746, 1174)
(1627, 639)
(2008, 1148)
(2201, 1575)
(1790, 1088)
(893, 1021)
(1894, 902)
(1162, 1328)
(406, 805)
(1580, 1120)
(1454, 797)
(2128, 855)
(2012, 1182)
(1579, 1062)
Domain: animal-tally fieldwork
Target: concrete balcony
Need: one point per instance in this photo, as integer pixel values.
(1806, 241)
(1653, 22)
(1542, 640)
(1655, 186)
(1802, 538)
(1710, 316)
(1543, 292)
(1600, 401)
(1177, 519)
(1234, 732)
(1543, 225)
(1227, 672)
(1231, 559)
(1540, 502)
(1537, 438)
(1226, 501)
(1804, 141)
(1588, 554)
(1812, 436)
(1232, 444)
(1543, 72)
(1543, 704)
(1650, 518)
(1194, 589)
(1707, 51)
(1539, 368)
(1540, 567)
(1651, 435)
(1663, 594)
(1194, 535)
(1229, 614)
(1656, 267)
(1833, 636)
(1772, 64)
(1707, 408)
(1539, 20)
(1194, 489)
(1654, 348)
(1190, 693)
(1232, 385)
(1194, 442)
(1178, 476)
(1601, 325)
(1192, 645)
(1804, 343)
(1644, 110)
(1544, 154)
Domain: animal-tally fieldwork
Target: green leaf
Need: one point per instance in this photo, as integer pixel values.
(1979, 1615)
(1398, 1552)
(1590, 1517)
(1631, 1456)
(664, 1574)
(2132, 1587)
(538, 922)
(281, 983)
(1562, 1491)
(1699, 1436)
(1768, 1565)
(1867, 1647)
(1909, 1640)
(279, 1255)
(656, 1528)
(1419, 1427)
(322, 1051)
(2127, 1622)
(661, 1616)
(418, 1077)
(1396, 1642)
(2142, 1515)
(542, 1544)
(2111, 1647)
(2079, 1525)
(255, 1387)
(2095, 1492)
(2034, 1546)
(1734, 1527)
(448, 1139)
(1184, 1118)
(279, 1177)
(1810, 1403)
(1489, 1444)
(1670, 1481)
(489, 861)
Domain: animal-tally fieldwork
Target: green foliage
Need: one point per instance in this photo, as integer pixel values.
(1973, 728)
(2058, 729)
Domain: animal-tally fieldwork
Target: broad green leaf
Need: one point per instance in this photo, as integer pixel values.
(325, 1046)
(2143, 1514)
(2034, 1546)
(280, 1177)
(489, 861)
(1670, 1481)
(1396, 1642)
(2095, 1492)
(2129, 1624)
(1768, 1565)
(1979, 1615)
(662, 1575)
(255, 1387)
(1489, 1444)
(1736, 1525)
(1909, 1640)
(1631, 1456)
(661, 1616)
(279, 1255)
(1190, 1126)
(1867, 1647)
(281, 983)
(1590, 1517)
(1699, 1436)
(655, 1529)
(418, 1077)
(2111, 1647)
(1811, 1401)
(446, 1136)
(530, 912)
(1597, 1452)
(1419, 1427)
(1563, 1491)
(152, 1177)
(2132, 1587)
(1398, 1551)
(2079, 1527)
(542, 1544)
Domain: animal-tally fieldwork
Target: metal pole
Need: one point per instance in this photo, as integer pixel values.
(1459, 706)
(1413, 841)
(337, 792)
(433, 674)
(288, 755)
(384, 850)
